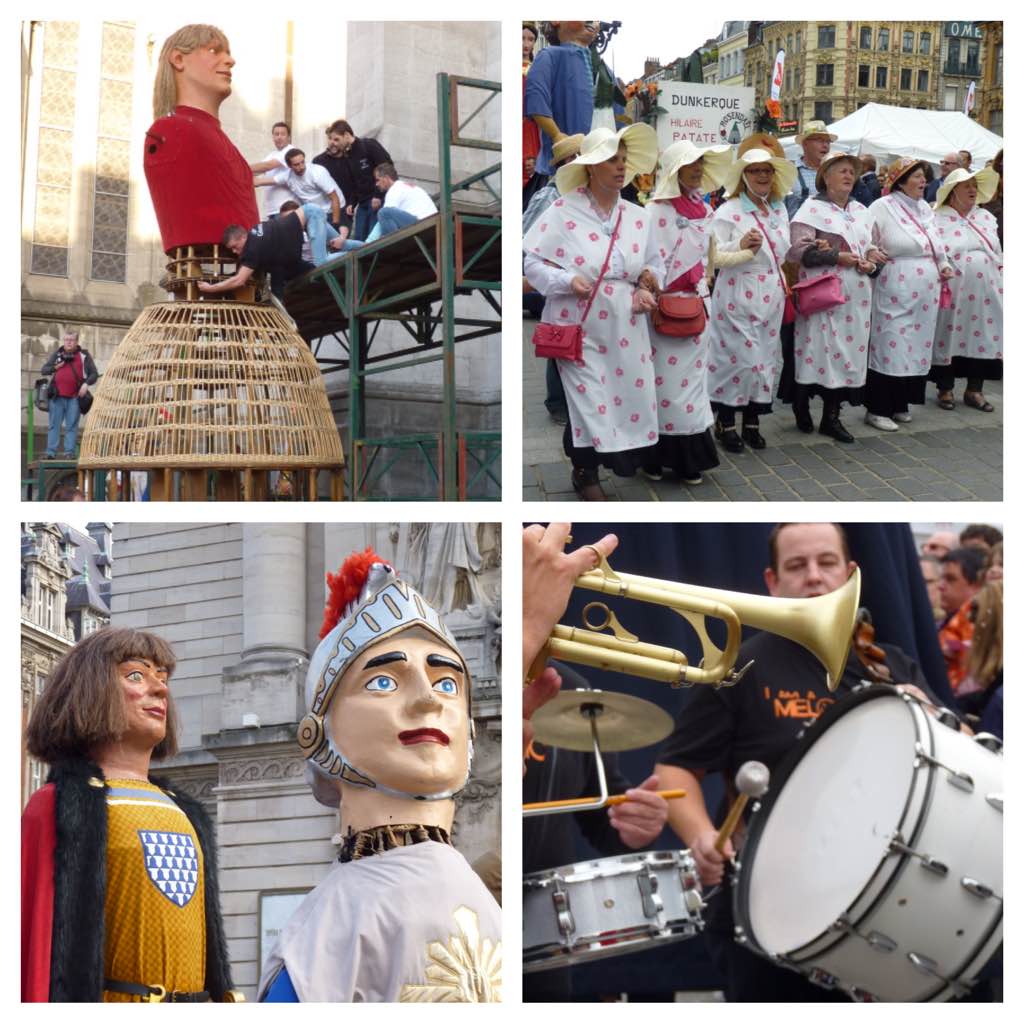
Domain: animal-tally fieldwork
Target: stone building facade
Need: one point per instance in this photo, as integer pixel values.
(91, 256)
(835, 67)
(242, 604)
(65, 595)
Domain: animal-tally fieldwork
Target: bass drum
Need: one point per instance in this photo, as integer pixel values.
(876, 864)
(600, 908)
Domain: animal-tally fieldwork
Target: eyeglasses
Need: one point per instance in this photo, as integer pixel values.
(761, 170)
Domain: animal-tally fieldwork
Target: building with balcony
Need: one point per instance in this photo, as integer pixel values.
(988, 105)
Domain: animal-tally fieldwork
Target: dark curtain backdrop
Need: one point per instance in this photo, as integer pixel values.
(730, 557)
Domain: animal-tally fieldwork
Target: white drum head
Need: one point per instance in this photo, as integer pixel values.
(829, 828)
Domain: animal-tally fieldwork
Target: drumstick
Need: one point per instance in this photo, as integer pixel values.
(751, 780)
(665, 794)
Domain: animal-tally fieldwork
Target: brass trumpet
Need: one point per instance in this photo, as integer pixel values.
(823, 625)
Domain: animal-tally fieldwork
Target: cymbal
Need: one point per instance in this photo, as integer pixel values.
(623, 722)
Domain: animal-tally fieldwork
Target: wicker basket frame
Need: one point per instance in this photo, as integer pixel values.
(211, 385)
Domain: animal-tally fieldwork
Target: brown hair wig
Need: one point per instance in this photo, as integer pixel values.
(82, 705)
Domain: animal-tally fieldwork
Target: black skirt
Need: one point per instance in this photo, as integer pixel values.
(686, 455)
(789, 391)
(886, 395)
(966, 368)
(624, 463)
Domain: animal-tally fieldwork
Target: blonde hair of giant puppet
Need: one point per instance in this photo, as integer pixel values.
(185, 40)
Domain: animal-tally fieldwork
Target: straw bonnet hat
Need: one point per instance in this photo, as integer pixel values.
(681, 154)
(602, 144)
(899, 169)
(829, 160)
(785, 172)
(565, 147)
(815, 128)
(986, 179)
(761, 140)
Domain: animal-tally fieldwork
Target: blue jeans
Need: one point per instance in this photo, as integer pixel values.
(66, 411)
(365, 220)
(319, 232)
(391, 219)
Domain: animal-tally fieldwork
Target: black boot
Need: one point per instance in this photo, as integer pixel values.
(831, 426)
(752, 435)
(802, 414)
(587, 484)
(725, 431)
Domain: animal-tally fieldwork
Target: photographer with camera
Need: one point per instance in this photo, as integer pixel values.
(73, 371)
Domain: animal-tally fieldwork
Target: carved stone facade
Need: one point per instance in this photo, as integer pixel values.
(64, 576)
(243, 604)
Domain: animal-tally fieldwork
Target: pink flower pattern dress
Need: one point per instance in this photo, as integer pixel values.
(973, 326)
(830, 348)
(905, 304)
(610, 390)
(746, 309)
(678, 244)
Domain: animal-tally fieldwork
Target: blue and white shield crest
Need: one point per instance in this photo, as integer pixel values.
(171, 863)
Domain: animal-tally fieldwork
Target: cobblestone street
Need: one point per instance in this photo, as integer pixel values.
(940, 456)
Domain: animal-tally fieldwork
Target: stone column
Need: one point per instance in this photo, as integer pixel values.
(268, 683)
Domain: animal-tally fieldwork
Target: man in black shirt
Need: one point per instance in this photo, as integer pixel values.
(759, 719)
(350, 162)
(275, 247)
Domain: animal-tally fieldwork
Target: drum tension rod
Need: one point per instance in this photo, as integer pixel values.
(897, 845)
(560, 898)
(979, 889)
(652, 903)
(876, 940)
(959, 779)
(928, 966)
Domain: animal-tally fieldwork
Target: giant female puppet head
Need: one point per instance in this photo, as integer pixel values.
(387, 693)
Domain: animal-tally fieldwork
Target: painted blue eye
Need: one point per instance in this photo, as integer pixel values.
(447, 686)
(381, 684)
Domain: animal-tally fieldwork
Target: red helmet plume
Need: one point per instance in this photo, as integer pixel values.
(345, 586)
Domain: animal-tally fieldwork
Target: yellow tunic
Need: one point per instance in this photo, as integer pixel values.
(154, 911)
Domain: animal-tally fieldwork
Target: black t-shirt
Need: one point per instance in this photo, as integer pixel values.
(275, 247)
(354, 171)
(759, 718)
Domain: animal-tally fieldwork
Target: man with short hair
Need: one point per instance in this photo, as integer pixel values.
(73, 371)
(947, 165)
(965, 159)
(309, 185)
(868, 187)
(404, 204)
(275, 247)
(760, 718)
(980, 535)
(815, 141)
(350, 162)
(961, 580)
(275, 161)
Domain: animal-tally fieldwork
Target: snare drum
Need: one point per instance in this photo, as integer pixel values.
(876, 863)
(608, 907)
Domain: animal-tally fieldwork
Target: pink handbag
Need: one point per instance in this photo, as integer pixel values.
(817, 294)
(565, 341)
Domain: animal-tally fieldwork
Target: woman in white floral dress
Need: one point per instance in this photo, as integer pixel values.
(678, 255)
(609, 390)
(969, 334)
(907, 293)
(831, 234)
(751, 236)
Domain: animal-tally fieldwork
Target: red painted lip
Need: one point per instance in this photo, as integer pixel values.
(423, 736)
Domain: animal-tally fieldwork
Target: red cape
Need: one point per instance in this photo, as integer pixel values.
(38, 842)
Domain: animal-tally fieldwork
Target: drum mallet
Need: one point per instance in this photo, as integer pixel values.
(751, 781)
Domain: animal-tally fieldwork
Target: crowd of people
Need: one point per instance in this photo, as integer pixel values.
(348, 196)
(744, 278)
(964, 577)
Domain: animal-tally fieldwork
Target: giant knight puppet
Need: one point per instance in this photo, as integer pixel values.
(389, 736)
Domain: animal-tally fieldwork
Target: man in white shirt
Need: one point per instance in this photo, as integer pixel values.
(309, 184)
(404, 204)
(274, 161)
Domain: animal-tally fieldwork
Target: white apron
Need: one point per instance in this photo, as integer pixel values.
(610, 390)
(973, 325)
(905, 303)
(680, 364)
(830, 348)
(746, 310)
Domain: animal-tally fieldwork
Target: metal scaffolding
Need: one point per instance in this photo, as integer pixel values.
(412, 277)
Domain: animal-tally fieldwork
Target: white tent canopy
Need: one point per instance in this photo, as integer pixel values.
(889, 132)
